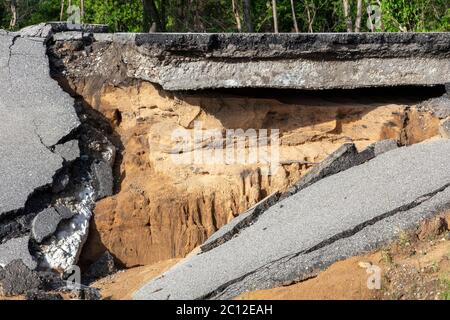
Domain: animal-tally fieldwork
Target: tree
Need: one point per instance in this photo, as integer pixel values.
(294, 18)
(82, 10)
(348, 18)
(13, 21)
(237, 15)
(253, 15)
(247, 6)
(275, 16)
(61, 14)
(154, 16)
(358, 16)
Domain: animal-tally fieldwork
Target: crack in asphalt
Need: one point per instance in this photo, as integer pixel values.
(13, 42)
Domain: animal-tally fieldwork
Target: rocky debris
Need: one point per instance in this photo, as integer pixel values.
(365, 206)
(60, 181)
(40, 295)
(64, 212)
(383, 146)
(63, 248)
(103, 267)
(439, 107)
(445, 129)
(432, 228)
(16, 249)
(51, 281)
(16, 278)
(47, 30)
(41, 30)
(46, 222)
(69, 151)
(103, 179)
(88, 293)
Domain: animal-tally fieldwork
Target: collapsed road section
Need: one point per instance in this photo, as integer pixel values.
(50, 175)
(88, 114)
(337, 217)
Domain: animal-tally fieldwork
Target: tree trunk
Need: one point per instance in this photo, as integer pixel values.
(381, 16)
(163, 17)
(348, 18)
(247, 8)
(310, 17)
(294, 18)
(358, 16)
(275, 16)
(369, 13)
(151, 16)
(13, 21)
(61, 14)
(237, 15)
(146, 17)
(82, 11)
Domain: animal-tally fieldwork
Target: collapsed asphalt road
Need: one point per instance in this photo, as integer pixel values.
(52, 164)
(36, 114)
(339, 216)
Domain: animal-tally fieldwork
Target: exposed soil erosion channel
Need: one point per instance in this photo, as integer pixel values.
(162, 209)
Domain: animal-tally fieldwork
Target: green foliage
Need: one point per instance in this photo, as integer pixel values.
(445, 294)
(416, 15)
(217, 15)
(119, 15)
(46, 10)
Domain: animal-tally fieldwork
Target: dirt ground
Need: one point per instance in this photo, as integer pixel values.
(122, 285)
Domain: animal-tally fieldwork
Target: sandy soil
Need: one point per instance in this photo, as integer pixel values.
(122, 285)
(342, 280)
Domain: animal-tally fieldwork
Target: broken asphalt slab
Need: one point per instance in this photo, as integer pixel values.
(339, 216)
(16, 249)
(36, 113)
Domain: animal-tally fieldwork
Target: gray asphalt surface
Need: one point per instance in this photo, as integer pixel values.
(341, 215)
(35, 114)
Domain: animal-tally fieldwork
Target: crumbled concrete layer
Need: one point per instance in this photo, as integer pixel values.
(363, 208)
(62, 250)
(295, 61)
